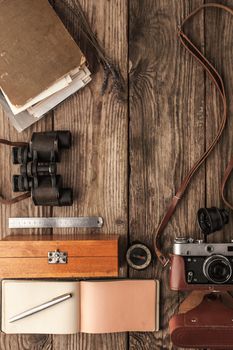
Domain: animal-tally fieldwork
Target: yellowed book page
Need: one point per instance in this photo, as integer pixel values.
(50, 102)
(59, 85)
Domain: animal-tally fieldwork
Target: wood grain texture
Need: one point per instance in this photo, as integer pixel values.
(173, 115)
(218, 37)
(95, 256)
(167, 118)
(75, 268)
(96, 166)
(24, 208)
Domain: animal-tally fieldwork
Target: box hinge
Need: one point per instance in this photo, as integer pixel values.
(57, 257)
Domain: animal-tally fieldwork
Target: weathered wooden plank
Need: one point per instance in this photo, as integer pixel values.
(26, 342)
(166, 137)
(218, 47)
(167, 126)
(218, 29)
(96, 166)
(24, 208)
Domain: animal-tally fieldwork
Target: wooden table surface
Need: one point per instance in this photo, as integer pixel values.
(129, 155)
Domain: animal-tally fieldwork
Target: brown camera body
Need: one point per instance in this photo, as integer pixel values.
(201, 266)
(178, 280)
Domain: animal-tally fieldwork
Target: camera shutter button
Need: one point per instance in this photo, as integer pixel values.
(199, 241)
(209, 249)
(180, 240)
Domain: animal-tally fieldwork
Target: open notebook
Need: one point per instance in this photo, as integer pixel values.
(40, 64)
(94, 307)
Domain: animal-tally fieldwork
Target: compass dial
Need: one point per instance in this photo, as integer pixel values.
(138, 256)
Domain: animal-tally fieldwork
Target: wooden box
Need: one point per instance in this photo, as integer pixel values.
(59, 256)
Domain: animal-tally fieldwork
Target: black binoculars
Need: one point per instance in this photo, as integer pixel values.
(38, 168)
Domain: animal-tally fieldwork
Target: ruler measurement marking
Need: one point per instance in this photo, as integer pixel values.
(91, 221)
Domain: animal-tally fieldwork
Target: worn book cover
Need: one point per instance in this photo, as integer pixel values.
(36, 50)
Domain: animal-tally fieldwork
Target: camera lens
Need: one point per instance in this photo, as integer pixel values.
(212, 219)
(217, 269)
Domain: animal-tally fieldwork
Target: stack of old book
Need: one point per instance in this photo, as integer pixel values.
(40, 64)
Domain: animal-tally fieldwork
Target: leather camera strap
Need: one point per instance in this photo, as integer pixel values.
(226, 176)
(21, 196)
(218, 83)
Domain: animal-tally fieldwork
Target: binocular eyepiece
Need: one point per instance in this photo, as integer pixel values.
(38, 170)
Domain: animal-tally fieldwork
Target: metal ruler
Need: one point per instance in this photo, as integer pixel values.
(62, 222)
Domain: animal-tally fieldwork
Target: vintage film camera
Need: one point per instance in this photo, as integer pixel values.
(38, 168)
(196, 264)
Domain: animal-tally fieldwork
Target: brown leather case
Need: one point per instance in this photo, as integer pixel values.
(207, 325)
(178, 280)
(26, 256)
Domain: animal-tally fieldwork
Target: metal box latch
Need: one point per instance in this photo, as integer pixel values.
(57, 257)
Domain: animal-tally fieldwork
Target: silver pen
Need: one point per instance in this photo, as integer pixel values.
(40, 307)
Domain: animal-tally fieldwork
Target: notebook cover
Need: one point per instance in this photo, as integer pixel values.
(35, 49)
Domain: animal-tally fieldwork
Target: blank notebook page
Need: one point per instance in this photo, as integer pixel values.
(19, 296)
(118, 306)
